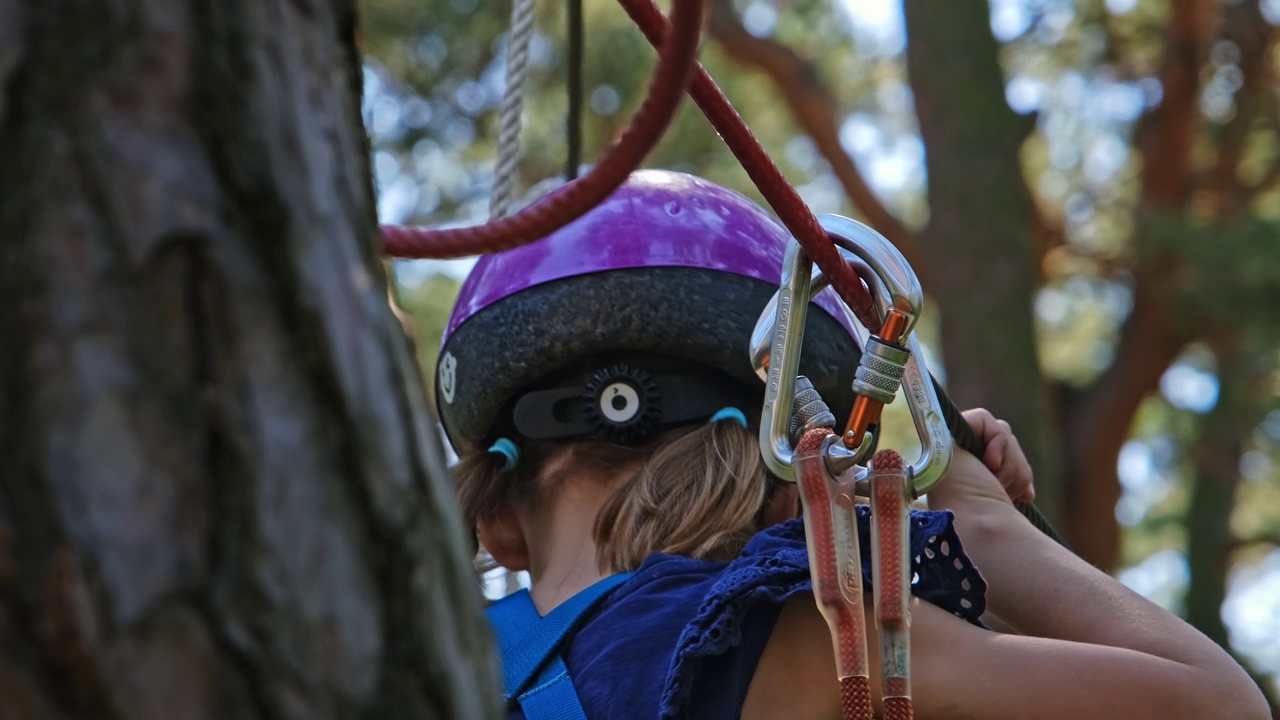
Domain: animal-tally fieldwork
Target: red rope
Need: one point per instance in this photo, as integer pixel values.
(677, 58)
(850, 630)
(855, 698)
(887, 500)
(773, 185)
(890, 514)
(898, 708)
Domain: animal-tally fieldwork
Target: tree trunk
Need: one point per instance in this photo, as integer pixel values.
(1215, 455)
(1243, 402)
(1096, 420)
(979, 245)
(221, 492)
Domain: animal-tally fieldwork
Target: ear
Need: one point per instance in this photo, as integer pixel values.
(500, 534)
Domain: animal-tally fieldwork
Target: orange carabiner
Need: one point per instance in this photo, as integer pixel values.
(866, 409)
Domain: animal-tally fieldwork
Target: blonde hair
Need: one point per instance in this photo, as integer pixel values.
(699, 491)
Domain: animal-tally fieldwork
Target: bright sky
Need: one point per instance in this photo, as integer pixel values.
(879, 15)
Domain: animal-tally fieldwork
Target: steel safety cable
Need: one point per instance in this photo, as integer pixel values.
(973, 443)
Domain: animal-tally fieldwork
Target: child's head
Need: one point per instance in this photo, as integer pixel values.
(698, 490)
(606, 348)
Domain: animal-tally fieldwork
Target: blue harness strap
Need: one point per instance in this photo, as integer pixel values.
(533, 671)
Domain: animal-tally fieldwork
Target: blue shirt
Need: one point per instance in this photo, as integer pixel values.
(682, 637)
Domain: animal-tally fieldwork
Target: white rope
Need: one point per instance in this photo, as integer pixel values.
(504, 171)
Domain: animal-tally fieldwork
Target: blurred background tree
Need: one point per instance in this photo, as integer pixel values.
(1090, 191)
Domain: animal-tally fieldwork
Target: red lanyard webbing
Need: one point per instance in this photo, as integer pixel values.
(835, 564)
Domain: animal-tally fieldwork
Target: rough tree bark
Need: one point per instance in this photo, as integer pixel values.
(979, 240)
(221, 493)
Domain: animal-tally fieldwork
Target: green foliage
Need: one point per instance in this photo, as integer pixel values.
(1229, 271)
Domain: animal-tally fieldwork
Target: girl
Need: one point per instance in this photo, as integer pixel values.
(597, 388)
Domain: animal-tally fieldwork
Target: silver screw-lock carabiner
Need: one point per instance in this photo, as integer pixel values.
(778, 338)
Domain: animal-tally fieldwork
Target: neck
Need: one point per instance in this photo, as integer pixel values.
(561, 541)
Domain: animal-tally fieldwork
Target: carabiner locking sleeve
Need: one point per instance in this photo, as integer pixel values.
(899, 299)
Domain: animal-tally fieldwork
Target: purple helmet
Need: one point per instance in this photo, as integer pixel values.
(637, 315)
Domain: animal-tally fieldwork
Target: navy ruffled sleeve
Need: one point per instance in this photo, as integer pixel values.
(682, 638)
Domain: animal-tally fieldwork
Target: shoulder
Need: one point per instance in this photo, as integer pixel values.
(680, 623)
(683, 637)
(720, 647)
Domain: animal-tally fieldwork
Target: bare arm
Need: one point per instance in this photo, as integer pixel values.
(1091, 647)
